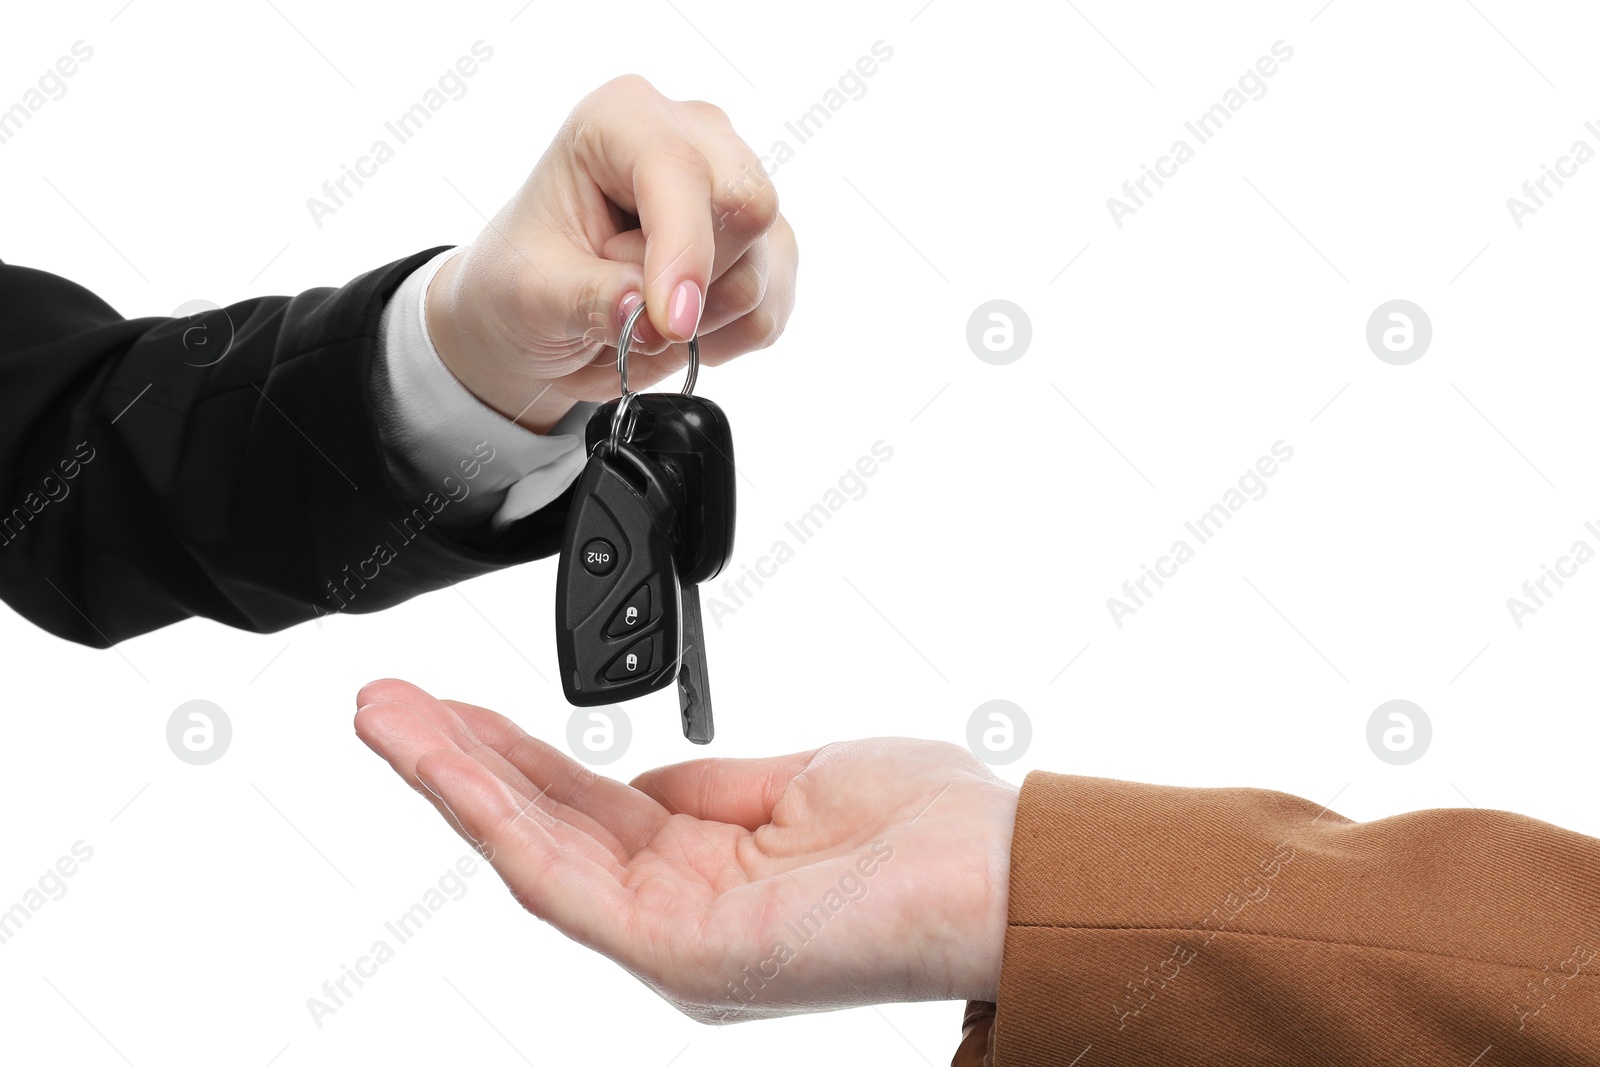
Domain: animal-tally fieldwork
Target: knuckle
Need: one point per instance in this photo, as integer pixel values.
(707, 110)
(764, 200)
(763, 328)
(741, 290)
(747, 202)
(782, 234)
(588, 323)
(600, 110)
(682, 156)
(625, 85)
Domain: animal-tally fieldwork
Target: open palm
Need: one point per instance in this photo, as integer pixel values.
(860, 872)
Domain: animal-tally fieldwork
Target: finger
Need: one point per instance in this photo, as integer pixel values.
(757, 329)
(698, 191)
(407, 737)
(635, 150)
(595, 295)
(761, 326)
(627, 247)
(629, 814)
(391, 690)
(547, 868)
(739, 291)
(390, 720)
(398, 734)
(741, 792)
(736, 290)
(402, 723)
(673, 187)
(401, 737)
(737, 286)
(744, 202)
(444, 716)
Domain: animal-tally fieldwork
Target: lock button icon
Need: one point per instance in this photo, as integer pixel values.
(635, 661)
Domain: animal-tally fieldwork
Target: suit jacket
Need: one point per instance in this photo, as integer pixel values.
(1158, 925)
(143, 480)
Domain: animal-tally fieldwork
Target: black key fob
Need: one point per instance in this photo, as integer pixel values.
(618, 600)
(689, 436)
(652, 516)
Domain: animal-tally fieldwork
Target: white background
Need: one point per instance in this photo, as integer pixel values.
(1227, 314)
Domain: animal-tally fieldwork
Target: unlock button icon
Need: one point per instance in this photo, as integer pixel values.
(632, 616)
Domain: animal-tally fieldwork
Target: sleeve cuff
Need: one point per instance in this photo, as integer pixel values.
(439, 437)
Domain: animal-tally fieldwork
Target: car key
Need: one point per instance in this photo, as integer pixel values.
(618, 603)
(694, 682)
(660, 481)
(689, 437)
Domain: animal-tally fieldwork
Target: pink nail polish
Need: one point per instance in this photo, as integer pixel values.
(625, 308)
(683, 314)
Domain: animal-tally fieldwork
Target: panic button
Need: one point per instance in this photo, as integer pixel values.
(632, 616)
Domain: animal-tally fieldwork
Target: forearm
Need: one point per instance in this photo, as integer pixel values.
(1166, 925)
(251, 489)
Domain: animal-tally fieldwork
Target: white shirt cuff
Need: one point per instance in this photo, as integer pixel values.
(441, 439)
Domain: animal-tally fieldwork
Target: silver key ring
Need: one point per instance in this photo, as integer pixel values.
(625, 404)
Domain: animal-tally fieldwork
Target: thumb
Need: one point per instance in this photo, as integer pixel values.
(591, 297)
(741, 792)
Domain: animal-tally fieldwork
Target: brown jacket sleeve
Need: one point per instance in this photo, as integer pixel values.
(1162, 925)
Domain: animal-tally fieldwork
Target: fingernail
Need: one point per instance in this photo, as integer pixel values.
(644, 334)
(625, 308)
(683, 313)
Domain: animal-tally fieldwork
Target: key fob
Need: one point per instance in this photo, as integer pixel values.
(618, 599)
(689, 436)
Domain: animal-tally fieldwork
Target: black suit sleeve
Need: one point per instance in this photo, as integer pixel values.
(144, 481)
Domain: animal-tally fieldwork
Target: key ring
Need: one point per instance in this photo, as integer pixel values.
(625, 403)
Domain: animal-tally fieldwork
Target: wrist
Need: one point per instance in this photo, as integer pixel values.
(999, 819)
(463, 337)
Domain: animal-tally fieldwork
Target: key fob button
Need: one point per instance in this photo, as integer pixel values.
(633, 616)
(599, 557)
(635, 661)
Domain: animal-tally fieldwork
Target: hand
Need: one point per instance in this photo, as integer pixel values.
(639, 197)
(861, 872)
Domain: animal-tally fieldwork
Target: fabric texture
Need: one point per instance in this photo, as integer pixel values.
(1163, 925)
(150, 472)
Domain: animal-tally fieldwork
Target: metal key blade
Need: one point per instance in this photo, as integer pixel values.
(694, 684)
